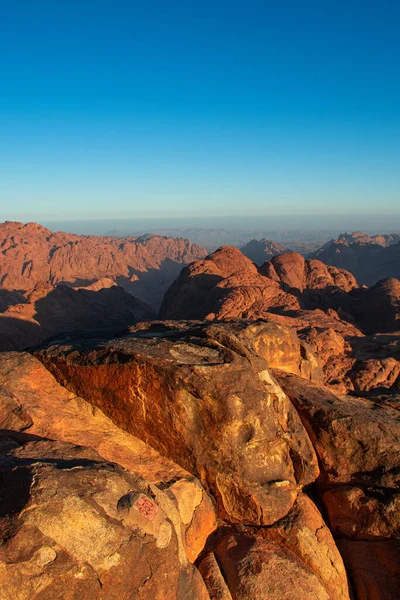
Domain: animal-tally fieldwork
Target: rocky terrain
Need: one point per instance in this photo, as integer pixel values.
(193, 460)
(342, 323)
(50, 310)
(261, 250)
(53, 283)
(369, 258)
(32, 255)
(218, 232)
(244, 446)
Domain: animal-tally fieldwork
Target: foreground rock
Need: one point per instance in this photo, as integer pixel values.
(200, 396)
(89, 510)
(373, 568)
(304, 533)
(358, 447)
(74, 526)
(295, 558)
(257, 568)
(33, 405)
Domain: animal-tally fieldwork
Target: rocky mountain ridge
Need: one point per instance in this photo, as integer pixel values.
(322, 304)
(261, 250)
(244, 447)
(369, 258)
(32, 255)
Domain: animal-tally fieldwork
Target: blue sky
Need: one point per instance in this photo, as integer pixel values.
(139, 109)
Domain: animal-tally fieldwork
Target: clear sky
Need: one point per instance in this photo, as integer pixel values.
(125, 108)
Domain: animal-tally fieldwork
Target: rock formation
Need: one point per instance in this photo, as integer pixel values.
(262, 250)
(32, 255)
(323, 304)
(177, 419)
(225, 278)
(47, 311)
(369, 258)
(73, 522)
(248, 449)
(207, 384)
(358, 446)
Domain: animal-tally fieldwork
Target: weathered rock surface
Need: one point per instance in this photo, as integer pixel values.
(257, 568)
(373, 568)
(213, 578)
(199, 396)
(73, 525)
(292, 551)
(358, 446)
(32, 402)
(305, 534)
(356, 439)
(32, 255)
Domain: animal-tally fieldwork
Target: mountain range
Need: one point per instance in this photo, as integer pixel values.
(177, 424)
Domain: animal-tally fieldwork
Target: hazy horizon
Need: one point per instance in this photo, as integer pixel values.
(331, 223)
(272, 224)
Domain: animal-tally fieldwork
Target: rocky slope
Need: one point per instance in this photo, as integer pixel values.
(205, 288)
(261, 250)
(47, 311)
(369, 258)
(322, 303)
(193, 460)
(32, 255)
(248, 449)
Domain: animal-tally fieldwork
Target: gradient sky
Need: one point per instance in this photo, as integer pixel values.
(129, 109)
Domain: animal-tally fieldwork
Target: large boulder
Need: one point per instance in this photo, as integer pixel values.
(198, 395)
(257, 568)
(33, 404)
(75, 526)
(304, 532)
(358, 446)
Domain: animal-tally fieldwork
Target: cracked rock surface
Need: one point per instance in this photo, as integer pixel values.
(193, 460)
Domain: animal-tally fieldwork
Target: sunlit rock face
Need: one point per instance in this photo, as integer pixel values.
(188, 459)
(144, 266)
(204, 397)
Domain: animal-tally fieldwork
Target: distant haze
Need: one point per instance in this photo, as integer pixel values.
(371, 223)
(298, 232)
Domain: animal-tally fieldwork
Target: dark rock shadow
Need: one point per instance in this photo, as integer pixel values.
(65, 310)
(151, 285)
(17, 334)
(10, 298)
